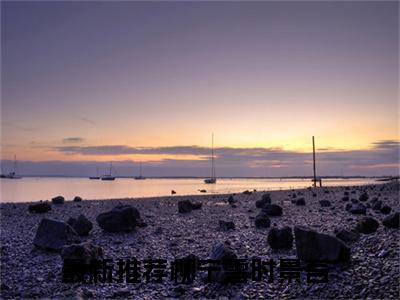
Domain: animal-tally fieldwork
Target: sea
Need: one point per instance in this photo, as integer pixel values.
(44, 188)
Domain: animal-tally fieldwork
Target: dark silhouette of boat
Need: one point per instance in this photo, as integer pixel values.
(13, 174)
(97, 175)
(108, 176)
(140, 177)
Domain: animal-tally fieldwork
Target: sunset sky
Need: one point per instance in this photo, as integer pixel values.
(86, 82)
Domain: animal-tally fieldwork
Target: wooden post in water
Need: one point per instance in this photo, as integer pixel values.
(315, 175)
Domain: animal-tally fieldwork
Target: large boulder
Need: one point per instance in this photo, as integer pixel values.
(391, 221)
(280, 238)
(272, 210)
(58, 200)
(84, 251)
(77, 199)
(222, 251)
(184, 206)
(358, 209)
(52, 235)
(266, 199)
(40, 207)
(81, 225)
(347, 236)
(262, 220)
(367, 225)
(314, 246)
(120, 218)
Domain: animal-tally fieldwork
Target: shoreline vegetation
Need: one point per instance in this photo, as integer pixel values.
(362, 221)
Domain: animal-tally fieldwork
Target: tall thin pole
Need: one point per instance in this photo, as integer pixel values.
(140, 169)
(212, 155)
(315, 176)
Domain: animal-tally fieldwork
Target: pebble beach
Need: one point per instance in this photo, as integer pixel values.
(28, 271)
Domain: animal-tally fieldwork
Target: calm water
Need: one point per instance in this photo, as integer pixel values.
(31, 189)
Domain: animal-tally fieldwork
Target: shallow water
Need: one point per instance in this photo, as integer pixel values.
(43, 188)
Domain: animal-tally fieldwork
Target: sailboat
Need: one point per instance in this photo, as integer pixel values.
(13, 174)
(97, 174)
(212, 179)
(140, 177)
(108, 176)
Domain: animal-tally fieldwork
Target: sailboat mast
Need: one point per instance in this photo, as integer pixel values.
(212, 156)
(315, 175)
(140, 169)
(110, 167)
(15, 164)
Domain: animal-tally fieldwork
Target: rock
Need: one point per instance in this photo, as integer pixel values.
(40, 207)
(77, 199)
(391, 221)
(348, 206)
(82, 225)
(120, 218)
(300, 202)
(247, 192)
(262, 220)
(85, 251)
(363, 197)
(377, 205)
(231, 200)
(203, 191)
(221, 251)
(226, 225)
(58, 200)
(312, 246)
(367, 225)
(197, 205)
(354, 201)
(280, 238)
(385, 210)
(345, 198)
(383, 253)
(347, 236)
(52, 235)
(122, 293)
(184, 206)
(158, 231)
(358, 209)
(325, 203)
(266, 199)
(173, 192)
(272, 210)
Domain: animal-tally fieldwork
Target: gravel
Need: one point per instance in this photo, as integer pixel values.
(27, 272)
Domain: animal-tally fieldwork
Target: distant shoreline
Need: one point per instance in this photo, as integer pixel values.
(391, 177)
